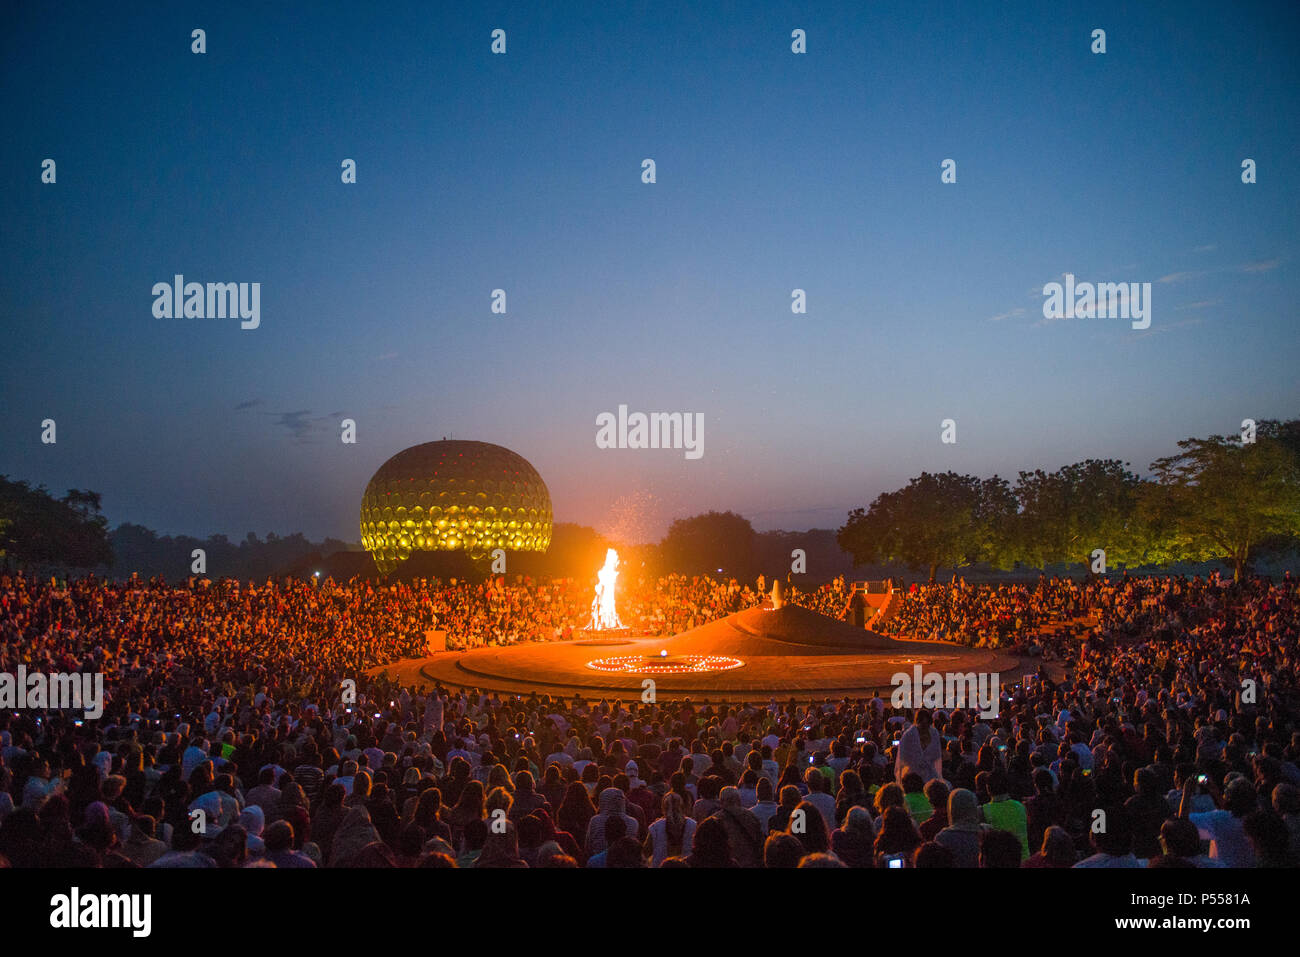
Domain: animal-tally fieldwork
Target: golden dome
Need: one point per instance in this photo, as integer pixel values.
(454, 495)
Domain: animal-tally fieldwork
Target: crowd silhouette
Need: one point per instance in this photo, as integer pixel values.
(241, 730)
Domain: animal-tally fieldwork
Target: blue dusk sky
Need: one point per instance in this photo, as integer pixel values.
(522, 171)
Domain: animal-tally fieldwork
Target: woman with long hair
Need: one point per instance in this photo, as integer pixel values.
(711, 847)
(807, 824)
(438, 745)
(898, 834)
(959, 772)
(468, 808)
(498, 803)
(1080, 798)
(174, 793)
(291, 797)
(409, 792)
(671, 835)
(677, 785)
(789, 800)
(563, 839)
(591, 779)
(202, 779)
(453, 784)
(428, 815)
(853, 842)
(891, 795)
(328, 817)
(576, 810)
(553, 786)
(501, 849)
(618, 755)
(84, 789)
(851, 794)
(137, 783)
(1057, 850)
(792, 777)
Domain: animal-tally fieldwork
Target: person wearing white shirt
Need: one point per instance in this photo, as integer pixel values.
(674, 824)
(770, 770)
(40, 785)
(765, 808)
(819, 798)
(748, 788)
(1110, 860)
(194, 755)
(220, 807)
(920, 750)
(348, 776)
(1080, 750)
(1224, 828)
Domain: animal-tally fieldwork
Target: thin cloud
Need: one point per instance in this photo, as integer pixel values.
(1201, 304)
(1180, 276)
(1037, 291)
(1205, 249)
(250, 404)
(1157, 329)
(1006, 315)
(1263, 266)
(299, 424)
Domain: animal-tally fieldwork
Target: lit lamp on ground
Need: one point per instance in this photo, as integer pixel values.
(664, 664)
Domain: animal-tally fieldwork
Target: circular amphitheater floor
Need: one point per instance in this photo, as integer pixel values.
(782, 653)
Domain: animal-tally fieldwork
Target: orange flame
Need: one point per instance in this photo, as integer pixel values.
(603, 613)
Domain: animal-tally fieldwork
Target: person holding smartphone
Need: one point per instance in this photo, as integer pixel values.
(1201, 799)
(1224, 828)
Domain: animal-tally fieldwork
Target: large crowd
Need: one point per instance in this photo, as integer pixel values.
(240, 730)
(992, 615)
(500, 613)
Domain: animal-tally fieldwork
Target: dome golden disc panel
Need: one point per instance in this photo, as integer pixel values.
(454, 495)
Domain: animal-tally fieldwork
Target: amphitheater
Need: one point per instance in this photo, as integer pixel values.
(753, 654)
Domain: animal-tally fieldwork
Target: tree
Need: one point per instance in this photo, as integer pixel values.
(1221, 498)
(1287, 433)
(825, 558)
(704, 543)
(936, 520)
(37, 528)
(1066, 514)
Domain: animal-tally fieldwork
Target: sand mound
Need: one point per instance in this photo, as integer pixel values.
(790, 630)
